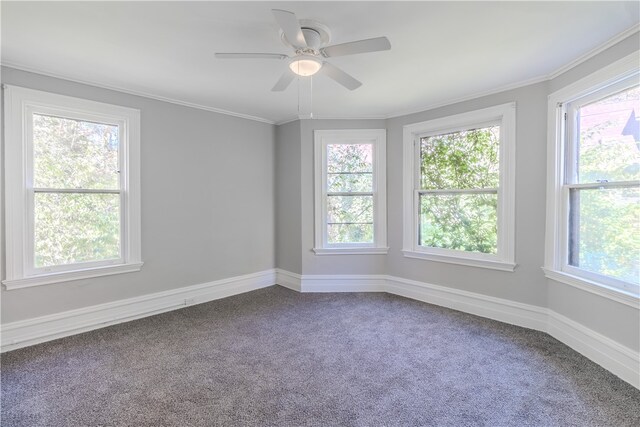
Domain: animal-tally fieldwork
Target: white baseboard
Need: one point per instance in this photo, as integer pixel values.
(331, 282)
(515, 313)
(28, 332)
(611, 355)
(343, 283)
(289, 280)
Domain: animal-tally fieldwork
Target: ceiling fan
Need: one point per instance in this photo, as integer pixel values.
(309, 39)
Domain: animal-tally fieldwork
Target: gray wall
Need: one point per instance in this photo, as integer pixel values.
(204, 175)
(288, 198)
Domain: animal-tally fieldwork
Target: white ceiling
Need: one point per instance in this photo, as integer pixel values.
(441, 51)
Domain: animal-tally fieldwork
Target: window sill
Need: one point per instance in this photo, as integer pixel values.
(67, 276)
(614, 294)
(351, 251)
(471, 262)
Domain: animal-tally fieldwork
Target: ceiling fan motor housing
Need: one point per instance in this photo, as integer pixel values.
(312, 37)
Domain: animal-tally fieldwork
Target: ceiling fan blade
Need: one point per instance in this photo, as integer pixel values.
(251, 56)
(361, 46)
(290, 26)
(284, 82)
(340, 76)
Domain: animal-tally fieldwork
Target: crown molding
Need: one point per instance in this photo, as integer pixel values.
(475, 95)
(583, 58)
(293, 119)
(135, 92)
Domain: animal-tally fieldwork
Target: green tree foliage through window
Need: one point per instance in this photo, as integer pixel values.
(605, 222)
(459, 179)
(350, 193)
(72, 225)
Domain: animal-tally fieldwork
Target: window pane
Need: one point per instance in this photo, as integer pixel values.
(74, 154)
(349, 158)
(350, 233)
(72, 228)
(350, 219)
(461, 160)
(350, 182)
(464, 222)
(604, 232)
(609, 139)
(349, 209)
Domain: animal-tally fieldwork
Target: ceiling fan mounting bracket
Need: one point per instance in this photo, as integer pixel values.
(316, 34)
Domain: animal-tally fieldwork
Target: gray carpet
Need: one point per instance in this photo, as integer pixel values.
(274, 357)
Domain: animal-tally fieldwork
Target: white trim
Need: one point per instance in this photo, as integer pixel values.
(512, 312)
(289, 280)
(611, 355)
(68, 276)
(28, 332)
(343, 283)
(475, 95)
(599, 289)
(378, 139)
(136, 93)
(522, 83)
(468, 261)
(20, 103)
(321, 117)
(351, 251)
(504, 260)
(583, 58)
(556, 213)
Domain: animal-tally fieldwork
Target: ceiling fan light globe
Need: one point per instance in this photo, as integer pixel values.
(305, 66)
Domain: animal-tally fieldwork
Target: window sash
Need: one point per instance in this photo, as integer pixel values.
(566, 233)
(503, 115)
(376, 193)
(418, 191)
(29, 267)
(454, 252)
(571, 137)
(326, 194)
(417, 176)
(570, 111)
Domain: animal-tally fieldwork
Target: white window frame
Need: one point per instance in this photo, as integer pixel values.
(505, 116)
(557, 219)
(20, 104)
(378, 138)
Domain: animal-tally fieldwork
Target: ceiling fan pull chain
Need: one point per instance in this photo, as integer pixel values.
(305, 89)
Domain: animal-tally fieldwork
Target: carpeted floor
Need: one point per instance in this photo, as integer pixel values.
(275, 357)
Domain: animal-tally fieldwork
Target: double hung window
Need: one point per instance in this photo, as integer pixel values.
(72, 188)
(459, 188)
(593, 232)
(350, 191)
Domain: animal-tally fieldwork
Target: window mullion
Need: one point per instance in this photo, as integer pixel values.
(493, 190)
(76, 191)
(604, 184)
(351, 193)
